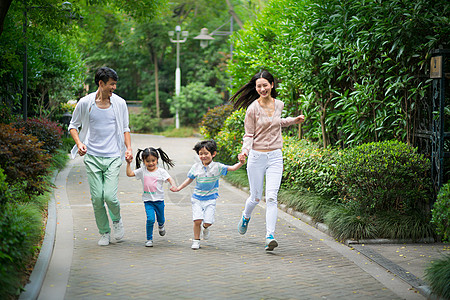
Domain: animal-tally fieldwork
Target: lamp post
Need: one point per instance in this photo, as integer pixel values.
(185, 34)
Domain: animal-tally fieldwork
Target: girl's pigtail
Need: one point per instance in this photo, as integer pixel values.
(138, 158)
(165, 158)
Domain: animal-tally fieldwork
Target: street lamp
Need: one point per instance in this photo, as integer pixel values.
(184, 34)
(204, 37)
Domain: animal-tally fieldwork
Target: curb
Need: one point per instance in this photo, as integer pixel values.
(33, 287)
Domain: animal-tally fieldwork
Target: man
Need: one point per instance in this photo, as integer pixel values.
(105, 140)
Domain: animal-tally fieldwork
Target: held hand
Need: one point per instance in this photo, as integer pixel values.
(242, 156)
(82, 149)
(174, 189)
(129, 155)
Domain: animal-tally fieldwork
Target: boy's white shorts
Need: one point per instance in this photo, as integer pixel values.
(203, 210)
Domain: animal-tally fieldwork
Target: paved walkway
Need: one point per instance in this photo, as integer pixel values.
(308, 264)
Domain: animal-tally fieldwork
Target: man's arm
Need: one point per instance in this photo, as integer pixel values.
(82, 149)
(129, 151)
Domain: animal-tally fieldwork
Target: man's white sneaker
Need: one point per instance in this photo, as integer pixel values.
(161, 230)
(206, 233)
(118, 229)
(149, 243)
(104, 240)
(195, 244)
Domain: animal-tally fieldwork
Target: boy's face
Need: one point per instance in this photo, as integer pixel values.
(205, 156)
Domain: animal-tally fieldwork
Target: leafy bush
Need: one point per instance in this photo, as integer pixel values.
(23, 160)
(212, 122)
(308, 166)
(20, 231)
(438, 275)
(194, 100)
(144, 123)
(441, 212)
(229, 139)
(48, 132)
(383, 176)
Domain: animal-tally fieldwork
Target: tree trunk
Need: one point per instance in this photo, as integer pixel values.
(155, 61)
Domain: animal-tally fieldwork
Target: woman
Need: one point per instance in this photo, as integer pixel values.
(262, 145)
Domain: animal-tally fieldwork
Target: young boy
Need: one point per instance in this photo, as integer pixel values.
(207, 172)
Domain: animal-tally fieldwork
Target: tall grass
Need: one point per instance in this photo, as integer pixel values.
(438, 276)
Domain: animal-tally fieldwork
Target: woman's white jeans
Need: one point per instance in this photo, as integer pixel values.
(270, 165)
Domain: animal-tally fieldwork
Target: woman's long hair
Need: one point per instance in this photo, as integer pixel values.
(247, 94)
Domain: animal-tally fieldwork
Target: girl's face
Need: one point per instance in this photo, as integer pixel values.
(151, 162)
(205, 156)
(263, 87)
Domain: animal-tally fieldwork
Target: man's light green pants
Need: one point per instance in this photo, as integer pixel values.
(103, 178)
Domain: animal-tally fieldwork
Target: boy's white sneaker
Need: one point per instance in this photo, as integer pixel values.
(118, 229)
(195, 244)
(161, 230)
(104, 239)
(206, 233)
(149, 243)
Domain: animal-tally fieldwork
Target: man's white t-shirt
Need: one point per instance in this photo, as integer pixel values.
(152, 183)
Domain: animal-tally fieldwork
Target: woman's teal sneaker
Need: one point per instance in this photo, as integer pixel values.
(243, 224)
(271, 243)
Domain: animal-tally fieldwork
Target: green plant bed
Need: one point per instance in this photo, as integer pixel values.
(306, 201)
(180, 132)
(346, 223)
(394, 225)
(438, 276)
(238, 178)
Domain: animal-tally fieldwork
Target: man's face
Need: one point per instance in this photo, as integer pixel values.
(108, 88)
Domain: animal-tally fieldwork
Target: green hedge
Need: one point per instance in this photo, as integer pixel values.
(383, 176)
(20, 232)
(441, 212)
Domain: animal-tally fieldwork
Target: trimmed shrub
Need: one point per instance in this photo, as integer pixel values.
(308, 166)
(384, 176)
(438, 275)
(441, 212)
(212, 122)
(229, 139)
(23, 160)
(48, 132)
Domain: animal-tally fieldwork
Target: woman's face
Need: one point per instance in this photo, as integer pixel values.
(263, 87)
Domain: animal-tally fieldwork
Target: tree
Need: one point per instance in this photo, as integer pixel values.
(354, 68)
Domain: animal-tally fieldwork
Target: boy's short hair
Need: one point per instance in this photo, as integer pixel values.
(209, 145)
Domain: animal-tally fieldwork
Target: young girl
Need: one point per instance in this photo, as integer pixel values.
(152, 180)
